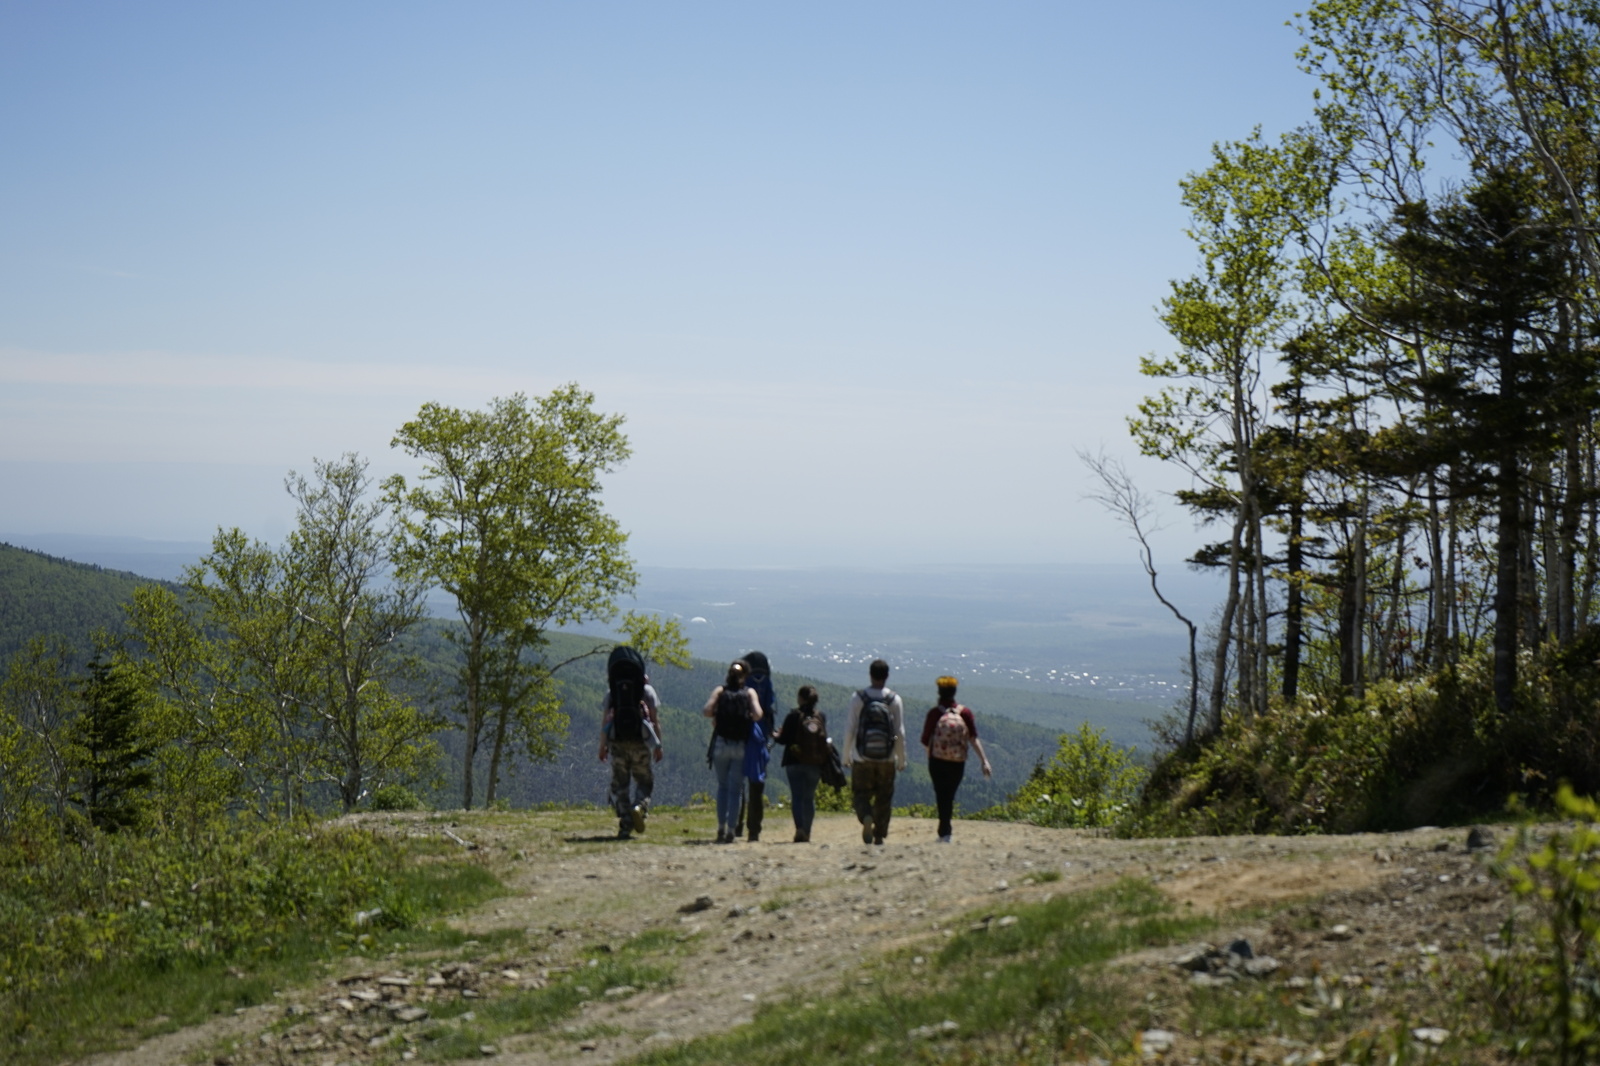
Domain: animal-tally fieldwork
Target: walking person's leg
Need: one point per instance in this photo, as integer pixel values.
(803, 782)
(619, 790)
(883, 803)
(757, 791)
(728, 763)
(946, 776)
(862, 781)
(644, 783)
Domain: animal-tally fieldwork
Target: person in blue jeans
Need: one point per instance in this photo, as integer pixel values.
(804, 737)
(732, 707)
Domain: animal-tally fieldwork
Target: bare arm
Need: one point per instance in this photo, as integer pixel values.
(710, 709)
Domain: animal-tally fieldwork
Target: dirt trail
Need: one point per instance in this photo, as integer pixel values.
(829, 906)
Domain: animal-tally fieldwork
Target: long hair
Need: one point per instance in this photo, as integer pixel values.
(736, 674)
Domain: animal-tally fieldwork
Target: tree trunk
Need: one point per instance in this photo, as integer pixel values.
(1219, 661)
(1508, 539)
(1294, 605)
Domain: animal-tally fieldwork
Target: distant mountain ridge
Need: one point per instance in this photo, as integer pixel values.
(43, 595)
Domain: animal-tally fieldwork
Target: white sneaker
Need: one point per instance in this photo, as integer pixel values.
(945, 839)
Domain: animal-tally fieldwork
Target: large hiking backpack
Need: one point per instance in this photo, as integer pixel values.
(875, 726)
(625, 672)
(949, 741)
(760, 681)
(811, 749)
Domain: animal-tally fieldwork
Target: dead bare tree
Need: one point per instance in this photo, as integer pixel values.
(1119, 495)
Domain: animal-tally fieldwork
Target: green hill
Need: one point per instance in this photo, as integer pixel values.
(41, 595)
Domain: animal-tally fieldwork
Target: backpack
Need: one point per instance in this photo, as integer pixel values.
(811, 749)
(949, 741)
(625, 672)
(732, 721)
(875, 726)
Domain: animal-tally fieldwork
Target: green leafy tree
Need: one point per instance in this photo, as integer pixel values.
(41, 703)
(506, 517)
(281, 674)
(352, 614)
(1227, 320)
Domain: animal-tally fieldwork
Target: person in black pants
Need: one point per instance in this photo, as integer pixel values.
(947, 732)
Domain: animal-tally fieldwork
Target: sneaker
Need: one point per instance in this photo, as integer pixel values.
(945, 839)
(638, 818)
(878, 841)
(866, 831)
(623, 830)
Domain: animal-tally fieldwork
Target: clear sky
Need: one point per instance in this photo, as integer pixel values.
(861, 276)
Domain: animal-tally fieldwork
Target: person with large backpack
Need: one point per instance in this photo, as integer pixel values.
(630, 734)
(733, 706)
(756, 750)
(804, 737)
(875, 748)
(947, 732)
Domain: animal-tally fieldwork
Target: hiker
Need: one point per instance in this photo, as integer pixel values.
(947, 732)
(630, 734)
(732, 708)
(874, 748)
(804, 737)
(753, 796)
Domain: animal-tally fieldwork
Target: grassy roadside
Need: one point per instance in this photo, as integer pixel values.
(148, 937)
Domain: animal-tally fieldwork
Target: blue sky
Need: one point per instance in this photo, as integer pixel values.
(862, 277)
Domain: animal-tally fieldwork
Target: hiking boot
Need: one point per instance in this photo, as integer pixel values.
(638, 818)
(801, 838)
(623, 830)
(866, 831)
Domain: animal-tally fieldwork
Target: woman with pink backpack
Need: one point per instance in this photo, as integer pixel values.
(947, 732)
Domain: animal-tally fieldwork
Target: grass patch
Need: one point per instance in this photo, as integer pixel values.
(1020, 984)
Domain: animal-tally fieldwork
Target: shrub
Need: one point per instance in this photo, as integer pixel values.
(1089, 783)
(1547, 991)
(395, 798)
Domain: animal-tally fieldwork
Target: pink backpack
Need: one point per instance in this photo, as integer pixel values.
(950, 736)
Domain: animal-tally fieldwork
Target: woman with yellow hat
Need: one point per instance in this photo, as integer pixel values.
(947, 732)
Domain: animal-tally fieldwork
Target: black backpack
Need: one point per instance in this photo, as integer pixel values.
(875, 726)
(625, 672)
(733, 714)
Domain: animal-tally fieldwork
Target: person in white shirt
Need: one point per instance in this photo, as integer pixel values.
(874, 749)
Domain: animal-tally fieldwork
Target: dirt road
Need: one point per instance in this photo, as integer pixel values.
(777, 920)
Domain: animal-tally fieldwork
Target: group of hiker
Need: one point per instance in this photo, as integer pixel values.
(741, 710)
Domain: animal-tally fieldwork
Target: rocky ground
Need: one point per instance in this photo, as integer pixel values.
(1334, 917)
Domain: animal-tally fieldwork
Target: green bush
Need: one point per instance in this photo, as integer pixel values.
(1546, 990)
(395, 798)
(1090, 783)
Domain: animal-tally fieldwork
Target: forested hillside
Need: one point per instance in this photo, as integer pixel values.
(40, 594)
